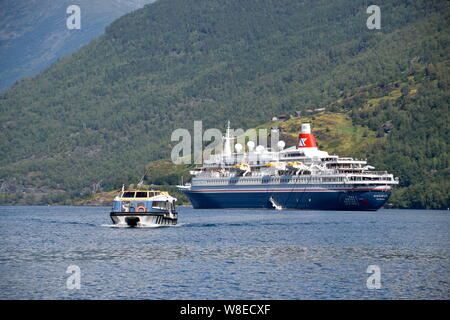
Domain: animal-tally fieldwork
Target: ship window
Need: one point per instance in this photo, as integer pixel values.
(128, 194)
(163, 205)
(141, 194)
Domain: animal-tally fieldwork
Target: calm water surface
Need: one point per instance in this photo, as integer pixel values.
(225, 254)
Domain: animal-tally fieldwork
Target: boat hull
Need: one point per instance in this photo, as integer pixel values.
(365, 200)
(143, 219)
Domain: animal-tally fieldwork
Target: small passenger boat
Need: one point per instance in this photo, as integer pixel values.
(140, 208)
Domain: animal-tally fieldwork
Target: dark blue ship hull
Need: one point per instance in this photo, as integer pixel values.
(299, 200)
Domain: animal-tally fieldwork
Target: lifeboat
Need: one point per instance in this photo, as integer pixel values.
(298, 167)
(277, 165)
(243, 167)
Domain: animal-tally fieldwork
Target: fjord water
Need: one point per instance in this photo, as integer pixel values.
(225, 254)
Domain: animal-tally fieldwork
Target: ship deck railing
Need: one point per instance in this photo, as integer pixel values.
(274, 173)
(294, 179)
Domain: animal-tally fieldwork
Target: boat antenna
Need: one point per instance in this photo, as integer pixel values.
(141, 181)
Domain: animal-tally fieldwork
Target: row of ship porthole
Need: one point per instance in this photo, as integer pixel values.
(259, 181)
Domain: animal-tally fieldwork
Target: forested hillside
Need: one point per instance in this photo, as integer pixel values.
(98, 116)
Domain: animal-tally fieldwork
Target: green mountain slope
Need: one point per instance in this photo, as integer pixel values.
(102, 113)
(33, 34)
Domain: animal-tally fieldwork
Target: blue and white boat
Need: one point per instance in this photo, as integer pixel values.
(140, 208)
(301, 177)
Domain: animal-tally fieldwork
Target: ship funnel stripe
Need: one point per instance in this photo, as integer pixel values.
(306, 140)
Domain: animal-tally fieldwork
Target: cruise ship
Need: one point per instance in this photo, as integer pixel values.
(300, 177)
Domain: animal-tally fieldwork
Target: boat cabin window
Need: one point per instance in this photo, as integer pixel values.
(153, 193)
(141, 194)
(163, 205)
(128, 194)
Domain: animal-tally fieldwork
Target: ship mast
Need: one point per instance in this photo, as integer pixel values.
(227, 144)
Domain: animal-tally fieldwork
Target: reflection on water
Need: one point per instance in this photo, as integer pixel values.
(220, 254)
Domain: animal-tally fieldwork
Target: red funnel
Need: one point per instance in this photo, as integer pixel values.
(306, 138)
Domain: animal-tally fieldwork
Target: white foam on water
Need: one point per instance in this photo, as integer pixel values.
(120, 225)
(148, 225)
(179, 225)
(139, 225)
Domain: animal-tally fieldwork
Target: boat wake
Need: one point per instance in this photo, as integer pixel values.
(139, 225)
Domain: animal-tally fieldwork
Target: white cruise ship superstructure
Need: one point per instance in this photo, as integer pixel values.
(301, 177)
